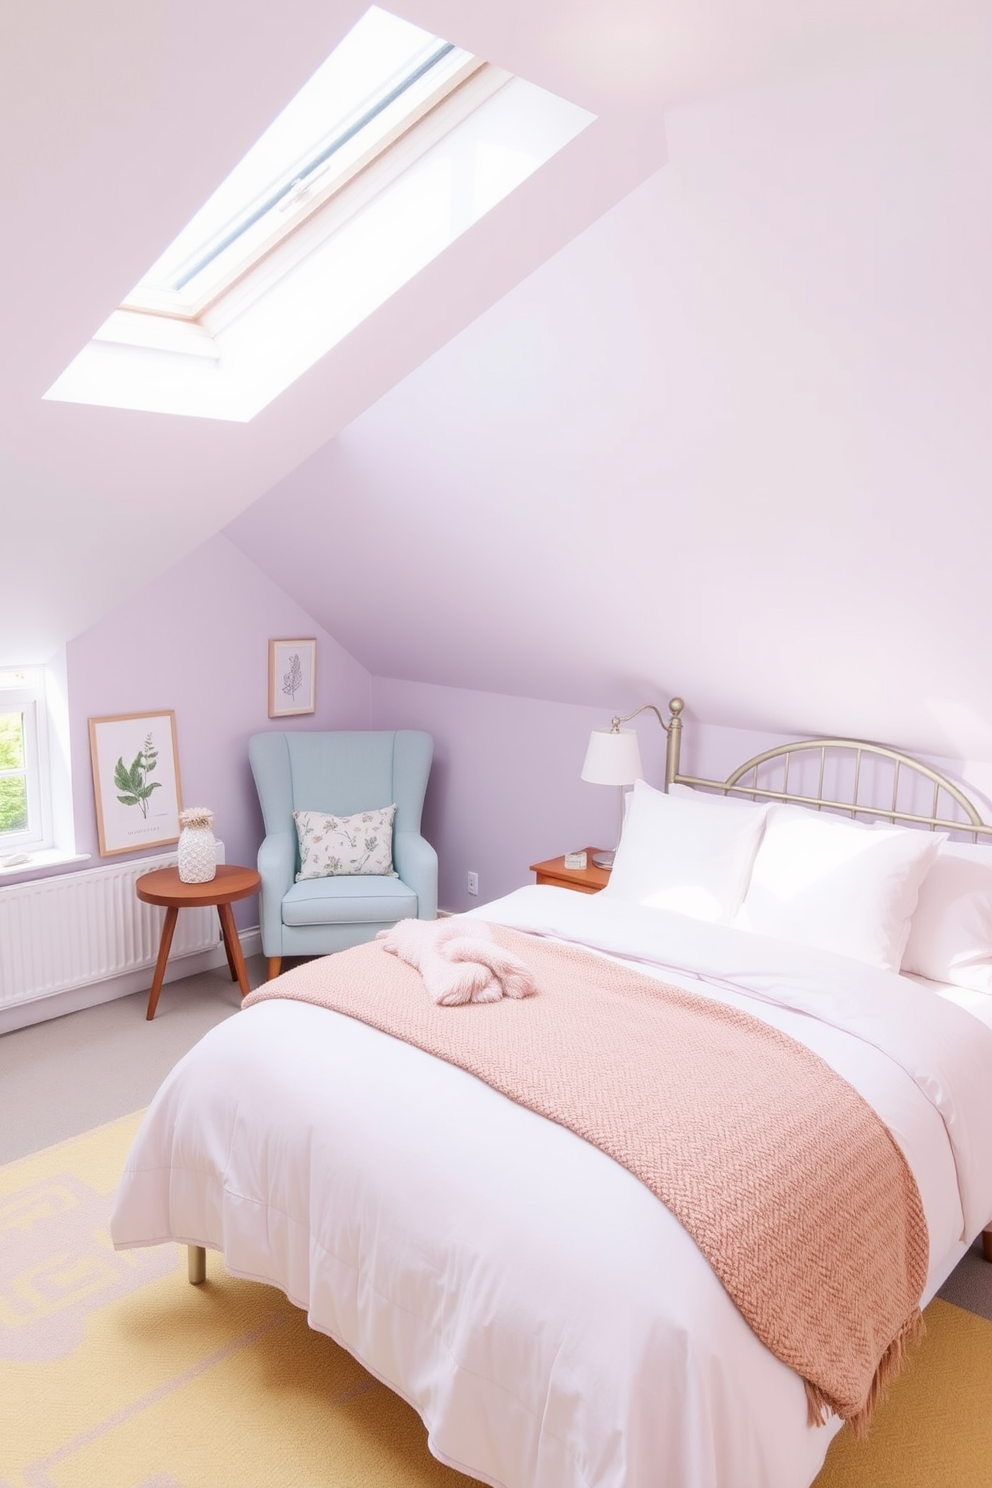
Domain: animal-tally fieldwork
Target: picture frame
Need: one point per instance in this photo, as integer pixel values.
(292, 677)
(134, 811)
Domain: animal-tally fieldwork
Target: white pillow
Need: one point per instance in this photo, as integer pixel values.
(950, 938)
(678, 853)
(690, 793)
(332, 846)
(841, 885)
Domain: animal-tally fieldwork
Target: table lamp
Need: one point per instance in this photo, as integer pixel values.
(612, 758)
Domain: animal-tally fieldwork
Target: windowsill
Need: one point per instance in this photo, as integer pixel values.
(50, 857)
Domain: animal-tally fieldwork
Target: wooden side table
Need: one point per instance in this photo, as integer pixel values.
(165, 887)
(587, 880)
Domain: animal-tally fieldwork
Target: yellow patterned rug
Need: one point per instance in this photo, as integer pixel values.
(115, 1373)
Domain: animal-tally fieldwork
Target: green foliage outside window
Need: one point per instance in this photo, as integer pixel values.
(13, 787)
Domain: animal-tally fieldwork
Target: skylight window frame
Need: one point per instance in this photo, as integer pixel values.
(358, 241)
(313, 163)
(462, 67)
(364, 187)
(189, 334)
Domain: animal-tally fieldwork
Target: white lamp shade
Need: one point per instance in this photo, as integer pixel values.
(613, 758)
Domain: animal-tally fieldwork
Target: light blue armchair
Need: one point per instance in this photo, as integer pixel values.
(340, 773)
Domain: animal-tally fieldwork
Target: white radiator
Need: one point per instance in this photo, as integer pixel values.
(77, 928)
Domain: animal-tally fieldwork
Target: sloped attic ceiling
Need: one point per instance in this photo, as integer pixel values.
(119, 117)
(119, 120)
(732, 441)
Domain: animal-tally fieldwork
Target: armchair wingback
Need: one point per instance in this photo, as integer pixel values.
(340, 773)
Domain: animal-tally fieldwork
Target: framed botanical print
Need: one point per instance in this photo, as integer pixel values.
(135, 780)
(292, 670)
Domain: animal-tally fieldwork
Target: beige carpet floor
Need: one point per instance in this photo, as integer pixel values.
(115, 1373)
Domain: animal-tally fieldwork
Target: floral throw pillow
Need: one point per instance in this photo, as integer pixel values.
(337, 845)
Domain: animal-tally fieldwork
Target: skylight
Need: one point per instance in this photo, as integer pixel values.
(397, 144)
(372, 87)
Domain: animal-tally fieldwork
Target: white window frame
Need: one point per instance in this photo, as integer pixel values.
(415, 116)
(189, 324)
(27, 697)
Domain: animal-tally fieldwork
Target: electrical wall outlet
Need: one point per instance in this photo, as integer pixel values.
(473, 883)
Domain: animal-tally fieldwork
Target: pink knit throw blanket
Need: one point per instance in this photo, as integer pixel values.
(784, 1176)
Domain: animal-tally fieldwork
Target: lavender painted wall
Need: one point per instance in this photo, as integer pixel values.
(505, 788)
(196, 641)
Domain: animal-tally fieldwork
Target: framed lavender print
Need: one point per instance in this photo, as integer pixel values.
(292, 672)
(135, 781)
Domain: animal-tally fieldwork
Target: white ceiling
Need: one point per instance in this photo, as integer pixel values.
(679, 435)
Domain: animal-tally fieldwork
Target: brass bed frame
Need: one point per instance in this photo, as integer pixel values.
(751, 780)
(951, 810)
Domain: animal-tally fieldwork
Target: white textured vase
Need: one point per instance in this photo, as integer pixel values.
(197, 849)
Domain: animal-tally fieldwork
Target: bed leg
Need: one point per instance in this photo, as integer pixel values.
(987, 1242)
(196, 1264)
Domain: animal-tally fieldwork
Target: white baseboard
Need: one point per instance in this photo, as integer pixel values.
(41, 1009)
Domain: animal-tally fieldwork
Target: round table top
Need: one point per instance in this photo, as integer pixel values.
(164, 886)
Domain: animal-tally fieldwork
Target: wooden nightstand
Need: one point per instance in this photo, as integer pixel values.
(585, 880)
(165, 887)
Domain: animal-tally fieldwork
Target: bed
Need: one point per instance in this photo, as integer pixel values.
(554, 1325)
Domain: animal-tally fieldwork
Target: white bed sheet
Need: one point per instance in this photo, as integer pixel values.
(979, 1004)
(550, 1320)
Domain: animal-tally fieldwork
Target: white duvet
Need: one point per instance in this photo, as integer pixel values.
(550, 1320)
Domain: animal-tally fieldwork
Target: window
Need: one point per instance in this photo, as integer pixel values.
(374, 88)
(398, 144)
(24, 781)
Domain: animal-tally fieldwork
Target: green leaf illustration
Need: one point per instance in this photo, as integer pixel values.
(132, 781)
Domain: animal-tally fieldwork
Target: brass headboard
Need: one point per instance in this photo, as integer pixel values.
(831, 761)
